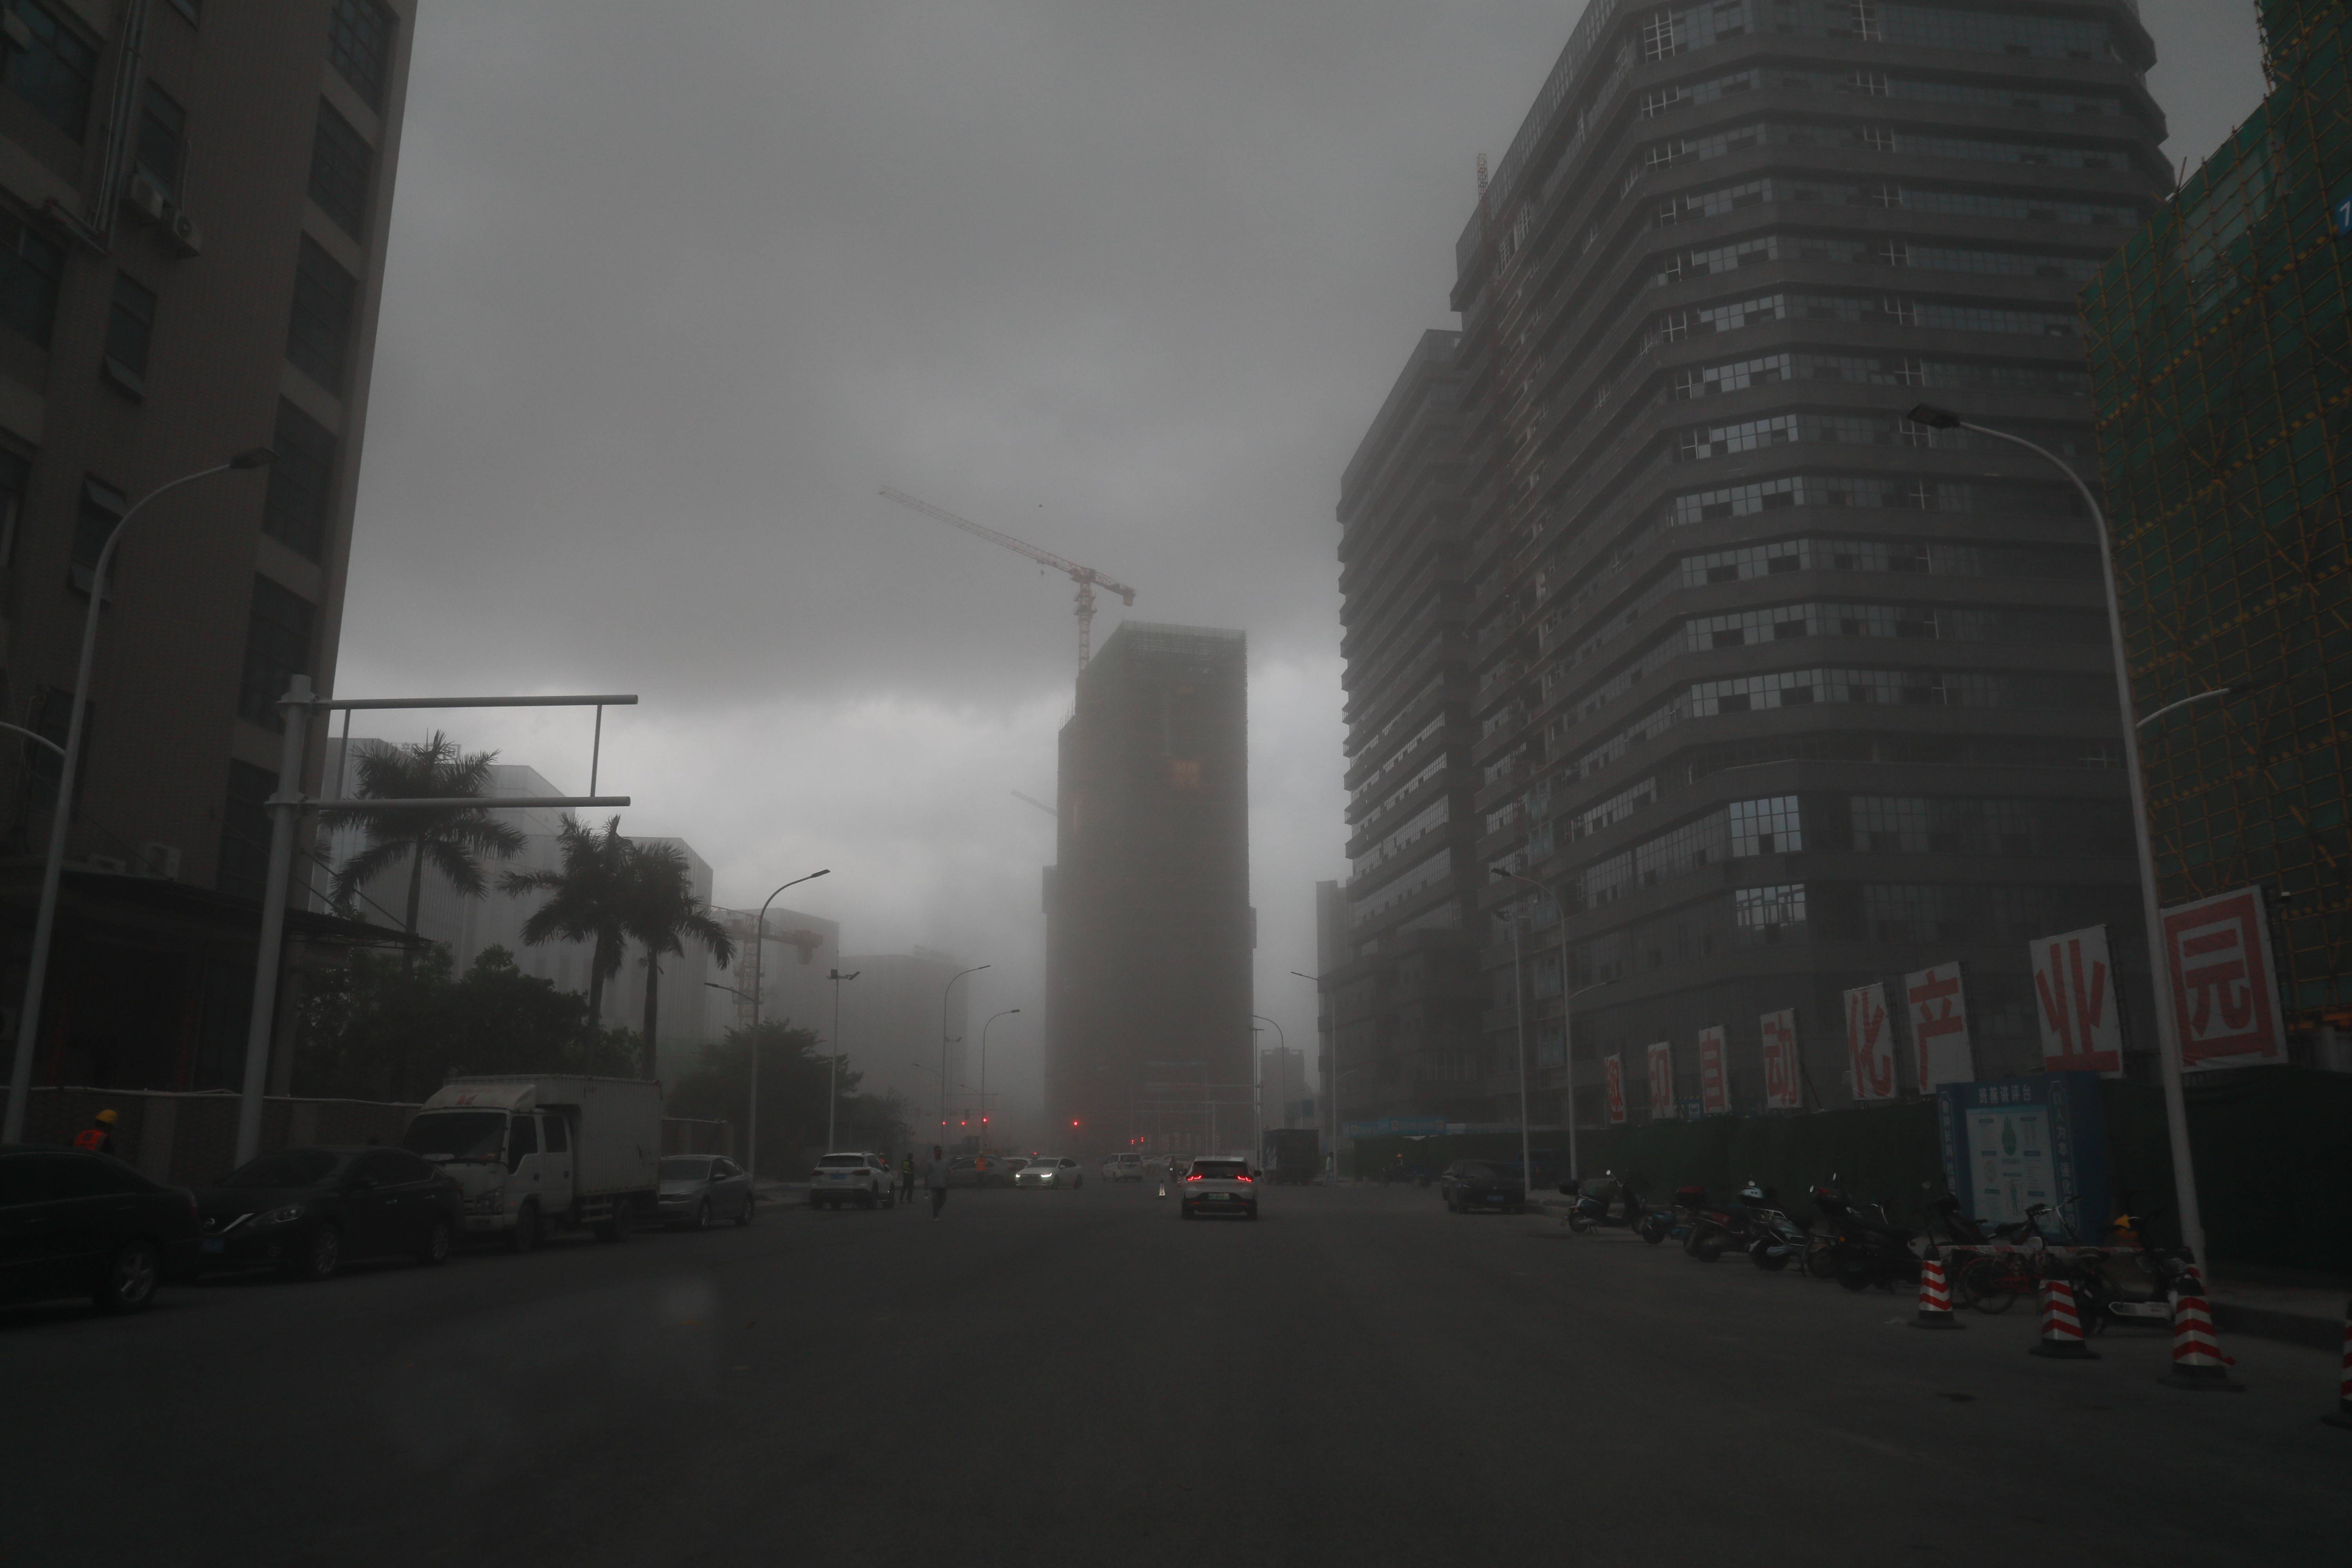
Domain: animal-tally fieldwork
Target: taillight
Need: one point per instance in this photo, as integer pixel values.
(1241, 1178)
(1193, 1177)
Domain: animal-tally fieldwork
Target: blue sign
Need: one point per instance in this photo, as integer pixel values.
(2012, 1143)
(2344, 217)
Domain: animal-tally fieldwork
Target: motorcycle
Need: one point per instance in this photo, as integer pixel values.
(1677, 1220)
(1772, 1239)
(1865, 1252)
(2135, 1283)
(1591, 1209)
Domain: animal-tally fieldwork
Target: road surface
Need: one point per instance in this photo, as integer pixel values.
(1059, 1380)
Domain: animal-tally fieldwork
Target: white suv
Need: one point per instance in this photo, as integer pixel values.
(861, 1178)
(1128, 1167)
(1219, 1184)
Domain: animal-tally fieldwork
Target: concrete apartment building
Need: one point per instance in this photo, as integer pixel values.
(1403, 993)
(1774, 692)
(195, 201)
(1149, 929)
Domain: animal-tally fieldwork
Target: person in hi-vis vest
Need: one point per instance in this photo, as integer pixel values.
(97, 1138)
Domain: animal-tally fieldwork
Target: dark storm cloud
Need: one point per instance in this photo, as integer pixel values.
(673, 289)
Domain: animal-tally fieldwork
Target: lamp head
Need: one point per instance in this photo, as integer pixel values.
(253, 458)
(1935, 418)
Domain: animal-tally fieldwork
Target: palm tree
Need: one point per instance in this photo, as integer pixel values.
(452, 837)
(664, 913)
(587, 901)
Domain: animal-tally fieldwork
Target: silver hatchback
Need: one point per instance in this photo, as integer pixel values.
(699, 1190)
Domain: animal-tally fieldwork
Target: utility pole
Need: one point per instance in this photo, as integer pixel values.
(832, 1095)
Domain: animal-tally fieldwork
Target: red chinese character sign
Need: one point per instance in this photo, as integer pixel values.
(1870, 1043)
(2075, 993)
(1782, 1078)
(1662, 1080)
(1939, 1028)
(1714, 1088)
(1612, 1068)
(2224, 999)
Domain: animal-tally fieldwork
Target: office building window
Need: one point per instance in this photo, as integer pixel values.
(54, 72)
(101, 508)
(130, 328)
(277, 648)
(30, 265)
(244, 831)
(343, 165)
(301, 494)
(318, 338)
(163, 145)
(359, 43)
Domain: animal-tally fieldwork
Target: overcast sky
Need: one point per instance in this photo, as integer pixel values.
(672, 290)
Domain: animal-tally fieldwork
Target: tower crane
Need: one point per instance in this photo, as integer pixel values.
(1085, 577)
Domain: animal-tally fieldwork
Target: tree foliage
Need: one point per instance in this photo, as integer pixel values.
(587, 900)
(793, 1076)
(451, 839)
(663, 912)
(382, 1028)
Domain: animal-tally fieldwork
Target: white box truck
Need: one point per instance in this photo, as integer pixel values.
(541, 1153)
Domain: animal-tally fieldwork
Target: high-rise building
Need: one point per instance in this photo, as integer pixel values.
(195, 203)
(2222, 354)
(1148, 930)
(1775, 692)
(1402, 990)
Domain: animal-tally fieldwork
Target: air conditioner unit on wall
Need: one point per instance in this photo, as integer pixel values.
(186, 237)
(160, 860)
(145, 197)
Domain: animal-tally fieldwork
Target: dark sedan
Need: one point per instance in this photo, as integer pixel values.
(311, 1211)
(74, 1224)
(1471, 1185)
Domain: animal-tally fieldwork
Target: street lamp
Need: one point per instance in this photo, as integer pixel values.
(944, 990)
(758, 963)
(44, 921)
(833, 1088)
(1519, 1000)
(983, 1071)
(1567, 1014)
(2168, 1034)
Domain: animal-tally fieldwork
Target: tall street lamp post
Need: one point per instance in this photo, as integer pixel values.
(2168, 1034)
(758, 963)
(833, 1089)
(983, 1072)
(1519, 995)
(44, 921)
(944, 991)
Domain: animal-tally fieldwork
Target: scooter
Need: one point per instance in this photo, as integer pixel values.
(1593, 1210)
(2135, 1283)
(1677, 1220)
(1865, 1252)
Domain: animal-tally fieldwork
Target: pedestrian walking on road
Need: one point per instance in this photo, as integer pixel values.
(97, 1138)
(935, 1177)
(907, 1178)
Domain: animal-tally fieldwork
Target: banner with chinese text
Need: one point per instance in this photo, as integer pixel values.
(2074, 996)
(1613, 1067)
(2225, 995)
(1661, 1081)
(1714, 1088)
(1870, 1043)
(1939, 1028)
(1783, 1078)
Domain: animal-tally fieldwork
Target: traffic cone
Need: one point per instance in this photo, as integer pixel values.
(2343, 1416)
(2197, 1363)
(2062, 1330)
(1935, 1298)
(1163, 1189)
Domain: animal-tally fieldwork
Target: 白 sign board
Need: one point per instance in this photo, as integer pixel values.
(1940, 1026)
(1714, 1087)
(1662, 1080)
(1783, 1078)
(1613, 1071)
(2224, 997)
(1870, 1043)
(2074, 999)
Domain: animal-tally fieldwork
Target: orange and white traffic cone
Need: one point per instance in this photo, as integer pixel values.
(2343, 1416)
(1935, 1297)
(2062, 1329)
(2197, 1360)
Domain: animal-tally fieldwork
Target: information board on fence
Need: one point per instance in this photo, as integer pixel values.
(2074, 996)
(1940, 1026)
(2224, 989)
(1714, 1087)
(2012, 1143)
(1783, 1078)
(1870, 1043)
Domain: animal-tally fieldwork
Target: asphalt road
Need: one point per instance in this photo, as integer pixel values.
(1065, 1378)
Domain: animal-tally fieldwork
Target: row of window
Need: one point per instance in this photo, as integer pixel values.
(1677, 149)
(1876, 370)
(1705, 442)
(1673, 326)
(1709, 261)
(1782, 623)
(1867, 490)
(1873, 84)
(1688, 206)
(1933, 558)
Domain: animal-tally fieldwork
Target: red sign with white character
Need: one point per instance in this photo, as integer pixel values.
(1870, 1043)
(1613, 1067)
(2075, 993)
(1940, 1026)
(2224, 999)
(1661, 1081)
(1782, 1077)
(1714, 1089)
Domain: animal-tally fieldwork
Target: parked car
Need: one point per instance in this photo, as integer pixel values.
(1123, 1167)
(697, 1189)
(1469, 1184)
(309, 1211)
(861, 1177)
(1051, 1171)
(1218, 1183)
(77, 1224)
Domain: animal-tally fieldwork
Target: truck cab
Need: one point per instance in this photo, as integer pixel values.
(515, 1147)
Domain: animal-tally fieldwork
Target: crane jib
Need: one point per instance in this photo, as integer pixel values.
(1085, 577)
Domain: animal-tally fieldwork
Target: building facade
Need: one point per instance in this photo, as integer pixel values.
(194, 204)
(1774, 693)
(1149, 929)
(1403, 991)
(2221, 353)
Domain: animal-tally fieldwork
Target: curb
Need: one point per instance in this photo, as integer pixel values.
(2267, 1323)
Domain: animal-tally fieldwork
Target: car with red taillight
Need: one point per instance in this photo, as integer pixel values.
(1219, 1184)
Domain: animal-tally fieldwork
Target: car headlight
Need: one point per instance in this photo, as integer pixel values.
(286, 1216)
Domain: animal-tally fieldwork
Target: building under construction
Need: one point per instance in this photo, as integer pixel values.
(2221, 359)
(1148, 930)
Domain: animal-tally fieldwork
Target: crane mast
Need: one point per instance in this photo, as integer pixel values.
(1085, 577)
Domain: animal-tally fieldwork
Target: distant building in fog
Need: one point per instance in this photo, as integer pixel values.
(1148, 921)
(891, 1025)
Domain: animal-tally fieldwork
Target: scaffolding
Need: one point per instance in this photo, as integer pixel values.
(2222, 360)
